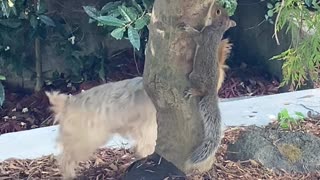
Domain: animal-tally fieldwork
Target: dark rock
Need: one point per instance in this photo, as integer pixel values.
(153, 167)
(290, 151)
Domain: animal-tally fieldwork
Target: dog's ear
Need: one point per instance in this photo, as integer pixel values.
(57, 100)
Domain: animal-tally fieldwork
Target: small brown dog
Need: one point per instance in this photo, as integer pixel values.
(89, 119)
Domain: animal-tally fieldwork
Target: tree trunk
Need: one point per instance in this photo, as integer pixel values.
(39, 80)
(169, 56)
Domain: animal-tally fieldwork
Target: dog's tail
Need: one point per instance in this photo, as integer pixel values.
(58, 101)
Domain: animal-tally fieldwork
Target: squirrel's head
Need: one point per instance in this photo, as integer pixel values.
(219, 18)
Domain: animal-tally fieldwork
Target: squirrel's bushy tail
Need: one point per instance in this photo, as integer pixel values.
(204, 154)
(223, 53)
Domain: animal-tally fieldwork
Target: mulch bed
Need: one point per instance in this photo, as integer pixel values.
(111, 164)
(248, 82)
(28, 111)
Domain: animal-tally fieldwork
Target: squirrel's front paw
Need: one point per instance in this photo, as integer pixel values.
(181, 25)
(190, 29)
(187, 28)
(187, 93)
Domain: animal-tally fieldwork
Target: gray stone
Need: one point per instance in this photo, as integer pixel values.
(290, 151)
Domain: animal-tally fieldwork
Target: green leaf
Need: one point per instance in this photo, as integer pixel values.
(127, 13)
(118, 33)
(47, 20)
(140, 23)
(134, 11)
(41, 7)
(91, 11)
(315, 4)
(230, 6)
(147, 4)
(109, 7)
(2, 94)
(5, 9)
(300, 115)
(308, 2)
(110, 21)
(137, 6)
(269, 5)
(114, 13)
(134, 37)
(270, 13)
(266, 17)
(33, 21)
(11, 23)
(2, 77)
(285, 113)
(284, 125)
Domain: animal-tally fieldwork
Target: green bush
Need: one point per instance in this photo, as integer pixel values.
(302, 59)
(24, 22)
(23, 25)
(128, 19)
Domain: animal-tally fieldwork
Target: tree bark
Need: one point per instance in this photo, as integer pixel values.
(169, 56)
(39, 80)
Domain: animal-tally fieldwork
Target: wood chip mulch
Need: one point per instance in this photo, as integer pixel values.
(22, 112)
(248, 82)
(104, 164)
(111, 164)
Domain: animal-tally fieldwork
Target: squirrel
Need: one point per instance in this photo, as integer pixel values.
(204, 79)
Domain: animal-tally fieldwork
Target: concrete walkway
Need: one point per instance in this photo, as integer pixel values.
(248, 111)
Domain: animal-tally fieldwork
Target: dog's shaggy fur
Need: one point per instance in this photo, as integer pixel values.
(89, 119)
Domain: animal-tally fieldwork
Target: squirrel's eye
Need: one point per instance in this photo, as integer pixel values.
(218, 12)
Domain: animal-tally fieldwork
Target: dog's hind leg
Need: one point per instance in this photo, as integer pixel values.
(146, 137)
(79, 138)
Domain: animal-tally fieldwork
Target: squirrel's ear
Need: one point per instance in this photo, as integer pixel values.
(57, 100)
(232, 23)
